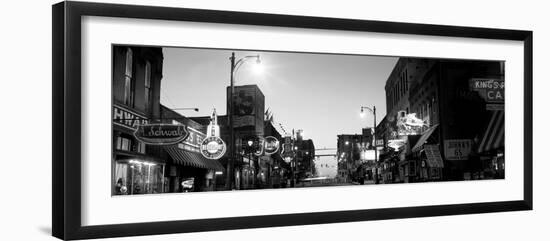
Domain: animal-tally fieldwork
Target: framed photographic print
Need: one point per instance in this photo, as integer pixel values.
(170, 120)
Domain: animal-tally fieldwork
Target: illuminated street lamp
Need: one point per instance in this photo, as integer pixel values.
(362, 114)
(235, 65)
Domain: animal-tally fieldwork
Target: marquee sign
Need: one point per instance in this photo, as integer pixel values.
(161, 134)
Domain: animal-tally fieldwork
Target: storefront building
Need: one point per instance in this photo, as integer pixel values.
(187, 169)
(144, 168)
(471, 119)
(461, 107)
(137, 73)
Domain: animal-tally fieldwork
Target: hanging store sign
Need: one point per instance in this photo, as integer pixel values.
(271, 145)
(457, 149)
(161, 134)
(287, 152)
(396, 144)
(491, 90)
(409, 124)
(213, 147)
(433, 156)
(260, 146)
(367, 155)
(193, 141)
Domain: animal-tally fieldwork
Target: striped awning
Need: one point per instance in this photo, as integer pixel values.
(424, 138)
(187, 158)
(493, 137)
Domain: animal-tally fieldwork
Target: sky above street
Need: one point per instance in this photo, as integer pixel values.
(318, 93)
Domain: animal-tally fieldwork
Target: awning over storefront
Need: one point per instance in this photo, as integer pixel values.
(494, 133)
(424, 138)
(193, 159)
(433, 156)
(128, 155)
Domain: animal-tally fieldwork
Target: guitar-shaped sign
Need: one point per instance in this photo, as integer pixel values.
(287, 153)
(213, 147)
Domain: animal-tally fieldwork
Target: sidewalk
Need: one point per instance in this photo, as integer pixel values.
(367, 182)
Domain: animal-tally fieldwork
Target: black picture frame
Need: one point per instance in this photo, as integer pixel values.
(66, 127)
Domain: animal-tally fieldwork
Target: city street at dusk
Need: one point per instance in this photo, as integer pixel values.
(196, 120)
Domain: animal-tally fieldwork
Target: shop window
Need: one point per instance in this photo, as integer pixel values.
(138, 177)
(126, 143)
(407, 79)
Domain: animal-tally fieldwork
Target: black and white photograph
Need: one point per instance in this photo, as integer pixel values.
(275, 120)
(203, 120)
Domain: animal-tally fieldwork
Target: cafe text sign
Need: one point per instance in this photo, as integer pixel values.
(161, 134)
(491, 90)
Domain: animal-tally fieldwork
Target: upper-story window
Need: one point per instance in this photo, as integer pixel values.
(148, 88)
(125, 142)
(128, 79)
(406, 80)
(401, 89)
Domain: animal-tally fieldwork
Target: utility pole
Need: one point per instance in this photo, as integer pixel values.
(231, 160)
(373, 111)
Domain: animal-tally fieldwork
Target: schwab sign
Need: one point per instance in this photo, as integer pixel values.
(161, 134)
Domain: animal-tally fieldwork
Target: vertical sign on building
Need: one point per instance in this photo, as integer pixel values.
(248, 112)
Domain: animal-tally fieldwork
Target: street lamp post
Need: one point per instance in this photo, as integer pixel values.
(373, 111)
(350, 163)
(231, 162)
(295, 169)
